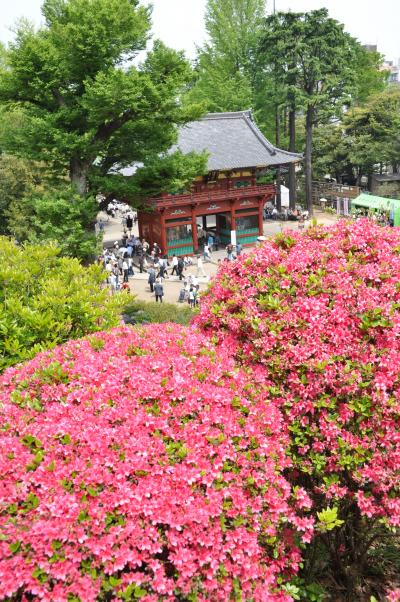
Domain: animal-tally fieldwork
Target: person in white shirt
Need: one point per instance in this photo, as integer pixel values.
(174, 266)
(200, 267)
(125, 270)
(195, 283)
(130, 266)
(207, 253)
(108, 269)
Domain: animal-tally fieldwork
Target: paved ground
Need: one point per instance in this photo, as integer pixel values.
(138, 283)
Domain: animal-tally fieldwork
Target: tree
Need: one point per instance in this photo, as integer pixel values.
(374, 131)
(46, 299)
(59, 215)
(312, 59)
(226, 64)
(169, 172)
(332, 152)
(277, 56)
(76, 101)
(18, 178)
(370, 78)
(366, 139)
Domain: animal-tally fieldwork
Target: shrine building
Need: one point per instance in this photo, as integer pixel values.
(228, 198)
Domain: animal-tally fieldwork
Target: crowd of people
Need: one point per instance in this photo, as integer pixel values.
(130, 254)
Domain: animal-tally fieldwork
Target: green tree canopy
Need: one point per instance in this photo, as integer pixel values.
(311, 57)
(59, 215)
(18, 178)
(225, 73)
(77, 101)
(366, 139)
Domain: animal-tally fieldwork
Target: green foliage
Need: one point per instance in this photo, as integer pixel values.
(225, 68)
(170, 172)
(60, 216)
(374, 131)
(310, 57)
(149, 312)
(305, 592)
(18, 178)
(46, 299)
(370, 78)
(328, 519)
(74, 99)
(368, 135)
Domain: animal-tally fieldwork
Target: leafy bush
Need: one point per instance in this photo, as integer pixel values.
(149, 312)
(319, 313)
(60, 216)
(46, 299)
(143, 464)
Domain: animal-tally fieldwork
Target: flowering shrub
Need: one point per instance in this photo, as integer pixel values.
(320, 313)
(144, 464)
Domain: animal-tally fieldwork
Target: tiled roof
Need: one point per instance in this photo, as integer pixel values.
(232, 140)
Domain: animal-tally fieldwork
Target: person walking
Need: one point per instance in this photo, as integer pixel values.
(130, 266)
(206, 253)
(159, 290)
(125, 270)
(200, 267)
(229, 252)
(129, 222)
(152, 278)
(141, 263)
(192, 296)
(181, 266)
(161, 268)
(174, 266)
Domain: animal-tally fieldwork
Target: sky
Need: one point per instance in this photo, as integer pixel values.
(180, 24)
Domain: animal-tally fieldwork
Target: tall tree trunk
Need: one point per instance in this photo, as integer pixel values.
(308, 158)
(292, 166)
(278, 171)
(78, 172)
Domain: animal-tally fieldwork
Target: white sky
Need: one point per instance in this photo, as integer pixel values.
(179, 23)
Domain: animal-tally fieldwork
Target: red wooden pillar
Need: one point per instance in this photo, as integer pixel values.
(194, 230)
(233, 218)
(164, 246)
(140, 226)
(261, 216)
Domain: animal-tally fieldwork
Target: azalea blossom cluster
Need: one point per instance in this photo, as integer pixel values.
(144, 464)
(319, 312)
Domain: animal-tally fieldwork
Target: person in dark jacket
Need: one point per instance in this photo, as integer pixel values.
(159, 290)
(152, 278)
(181, 267)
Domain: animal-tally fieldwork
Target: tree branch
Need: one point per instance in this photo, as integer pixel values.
(107, 129)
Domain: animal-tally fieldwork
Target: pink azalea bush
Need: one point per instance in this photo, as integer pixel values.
(319, 313)
(145, 464)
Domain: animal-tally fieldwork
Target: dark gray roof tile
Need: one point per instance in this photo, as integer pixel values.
(232, 140)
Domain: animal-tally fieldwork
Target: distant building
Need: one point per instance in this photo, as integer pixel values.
(393, 68)
(371, 47)
(386, 185)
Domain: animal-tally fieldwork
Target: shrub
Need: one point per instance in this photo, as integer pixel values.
(46, 299)
(319, 313)
(149, 312)
(143, 464)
